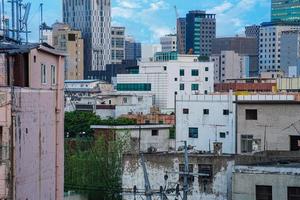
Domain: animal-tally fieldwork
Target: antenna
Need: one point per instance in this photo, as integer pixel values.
(41, 25)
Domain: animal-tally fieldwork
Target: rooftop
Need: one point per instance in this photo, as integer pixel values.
(125, 127)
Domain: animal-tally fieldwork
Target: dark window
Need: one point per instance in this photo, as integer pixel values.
(195, 87)
(222, 135)
(154, 132)
(190, 177)
(263, 192)
(206, 69)
(175, 79)
(225, 112)
(195, 72)
(181, 86)
(147, 122)
(181, 72)
(185, 111)
(206, 111)
(165, 68)
(34, 59)
(246, 143)
(206, 79)
(295, 143)
(71, 37)
(293, 193)
(251, 114)
(193, 132)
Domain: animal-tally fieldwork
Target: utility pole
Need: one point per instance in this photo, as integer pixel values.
(148, 191)
(186, 171)
(41, 25)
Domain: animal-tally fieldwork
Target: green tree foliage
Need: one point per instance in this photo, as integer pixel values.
(77, 122)
(94, 167)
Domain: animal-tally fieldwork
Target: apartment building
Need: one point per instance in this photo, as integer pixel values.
(117, 44)
(168, 43)
(166, 80)
(70, 41)
(31, 122)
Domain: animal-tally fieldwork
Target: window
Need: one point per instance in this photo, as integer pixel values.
(34, 59)
(293, 193)
(181, 72)
(140, 99)
(43, 74)
(206, 69)
(222, 135)
(225, 112)
(195, 72)
(193, 132)
(53, 75)
(175, 79)
(134, 87)
(263, 192)
(181, 86)
(125, 100)
(154, 132)
(251, 114)
(195, 87)
(246, 143)
(165, 68)
(185, 111)
(295, 143)
(206, 178)
(190, 177)
(206, 79)
(205, 111)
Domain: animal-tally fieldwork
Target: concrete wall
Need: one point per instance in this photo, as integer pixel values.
(158, 164)
(245, 179)
(209, 126)
(277, 118)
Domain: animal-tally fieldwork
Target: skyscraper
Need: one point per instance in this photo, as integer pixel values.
(181, 29)
(200, 31)
(285, 10)
(133, 50)
(93, 19)
(118, 44)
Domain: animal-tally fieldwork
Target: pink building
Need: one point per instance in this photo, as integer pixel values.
(31, 122)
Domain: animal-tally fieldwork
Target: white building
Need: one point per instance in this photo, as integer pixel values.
(118, 44)
(230, 65)
(149, 50)
(168, 43)
(48, 35)
(184, 76)
(270, 45)
(111, 105)
(203, 120)
(93, 19)
(142, 138)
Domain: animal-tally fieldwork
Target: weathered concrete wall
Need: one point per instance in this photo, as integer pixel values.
(158, 164)
(277, 117)
(246, 178)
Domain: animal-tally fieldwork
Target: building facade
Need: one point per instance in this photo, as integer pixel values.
(230, 65)
(181, 34)
(93, 19)
(168, 43)
(70, 41)
(270, 45)
(185, 76)
(290, 53)
(277, 181)
(288, 11)
(213, 122)
(31, 122)
(261, 128)
(200, 31)
(117, 44)
(149, 50)
(133, 50)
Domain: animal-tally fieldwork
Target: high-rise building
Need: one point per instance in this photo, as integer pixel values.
(241, 45)
(93, 19)
(70, 41)
(149, 50)
(270, 45)
(133, 50)
(168, 43)
(200, 31)
(252, 31)
(290, 53)
(117, 44)
(285, 10)
(181, 32)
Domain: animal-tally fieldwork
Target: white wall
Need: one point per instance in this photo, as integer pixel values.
(209, 126)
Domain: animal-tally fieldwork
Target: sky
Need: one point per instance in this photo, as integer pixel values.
(148, 20)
